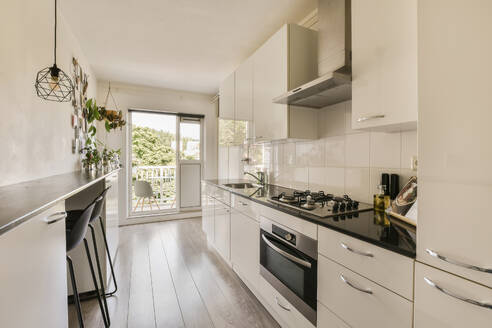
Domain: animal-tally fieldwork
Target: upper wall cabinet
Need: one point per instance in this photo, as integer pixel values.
(244, 91)
(285, 61)
(384, 64)
(227, 91)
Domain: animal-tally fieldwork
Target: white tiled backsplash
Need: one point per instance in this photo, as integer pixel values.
(342, 161)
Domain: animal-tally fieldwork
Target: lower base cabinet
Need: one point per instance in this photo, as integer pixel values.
(327, 319)
(358, 301)
(284, 312)
(208, 217)
(438, 303)
(222, 229)
(33, 277)
(245, 247)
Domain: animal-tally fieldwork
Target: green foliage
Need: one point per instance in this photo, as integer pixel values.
(151, 147)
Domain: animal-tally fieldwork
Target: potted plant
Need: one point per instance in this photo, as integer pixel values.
(92, 158)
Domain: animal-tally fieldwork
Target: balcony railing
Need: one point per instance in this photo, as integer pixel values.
(162, 180)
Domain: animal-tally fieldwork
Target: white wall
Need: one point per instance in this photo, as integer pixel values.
(35, 135)
(133, 96)
(342, 161)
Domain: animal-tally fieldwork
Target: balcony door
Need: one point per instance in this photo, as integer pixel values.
(161, 145)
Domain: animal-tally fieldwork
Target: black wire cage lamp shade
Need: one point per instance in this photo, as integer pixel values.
(51, 82)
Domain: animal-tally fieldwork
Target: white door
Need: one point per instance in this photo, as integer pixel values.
(190, 161)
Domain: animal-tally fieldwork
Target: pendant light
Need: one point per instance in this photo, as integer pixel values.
(52, 83)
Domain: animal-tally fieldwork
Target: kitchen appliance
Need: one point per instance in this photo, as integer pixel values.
(334, 84)
(319, 203)
(289, 262)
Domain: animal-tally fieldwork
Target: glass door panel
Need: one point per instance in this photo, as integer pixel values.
(153, 163)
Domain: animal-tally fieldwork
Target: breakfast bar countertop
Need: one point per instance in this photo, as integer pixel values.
(371, 226)
(21, 201)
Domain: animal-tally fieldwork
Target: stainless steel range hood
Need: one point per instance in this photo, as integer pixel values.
(334, 56)
(326, 90)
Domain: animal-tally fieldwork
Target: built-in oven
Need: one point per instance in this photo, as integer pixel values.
(289, 262)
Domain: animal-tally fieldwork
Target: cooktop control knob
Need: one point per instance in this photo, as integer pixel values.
(342, 207)
(349, 205)
(355, 204)
(288, 237)
(335, 207)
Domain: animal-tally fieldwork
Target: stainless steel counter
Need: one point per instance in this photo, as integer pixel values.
(21, 201)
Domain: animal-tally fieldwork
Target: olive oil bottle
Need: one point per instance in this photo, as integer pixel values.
(381, 200)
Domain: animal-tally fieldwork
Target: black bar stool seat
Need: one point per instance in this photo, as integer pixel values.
(75, 231)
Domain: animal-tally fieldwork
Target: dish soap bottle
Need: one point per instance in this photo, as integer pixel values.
(381, 200)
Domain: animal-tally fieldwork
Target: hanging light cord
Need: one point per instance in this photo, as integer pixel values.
(55, 31)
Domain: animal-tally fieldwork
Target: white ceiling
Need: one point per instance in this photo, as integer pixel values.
(178, 44)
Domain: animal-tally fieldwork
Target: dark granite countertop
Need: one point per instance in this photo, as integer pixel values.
(371, 226)
(19, 202)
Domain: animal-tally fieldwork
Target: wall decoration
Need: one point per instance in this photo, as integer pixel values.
(79, 98)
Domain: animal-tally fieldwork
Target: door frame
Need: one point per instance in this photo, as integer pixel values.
(169, 213)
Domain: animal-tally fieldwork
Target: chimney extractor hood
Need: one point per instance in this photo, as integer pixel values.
(334, 83)
(326, 90)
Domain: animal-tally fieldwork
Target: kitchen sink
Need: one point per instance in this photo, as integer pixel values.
(240, 185)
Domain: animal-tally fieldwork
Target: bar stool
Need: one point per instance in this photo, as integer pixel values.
(97, 213)
(76, 228)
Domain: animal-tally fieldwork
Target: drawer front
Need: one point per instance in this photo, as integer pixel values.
(327, 319)
(358, 301)
(387, 268)
(289, 316)
(33, 278)
(436, 309)
(222, 195)
(246, 206)
(307, 228)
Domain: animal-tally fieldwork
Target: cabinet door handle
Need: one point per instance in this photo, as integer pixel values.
(367, 291)
(282, 306)
(461, 298)
(355, 251)
(244, 204)
(55, 217)
(368, 118)
(458, 263)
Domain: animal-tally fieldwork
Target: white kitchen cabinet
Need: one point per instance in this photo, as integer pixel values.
(33, 278)
(284, 312)
(222, 229)
(435, 308)
(227, 98)
(208, 217)
(455, 157)
(112, 215)
(387, 268)
(327, 319)
(358, 301)
(384, 64)
(245, 247)
(286, 60)
(244, 91)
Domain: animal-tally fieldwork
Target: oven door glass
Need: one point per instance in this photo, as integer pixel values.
(299, 276)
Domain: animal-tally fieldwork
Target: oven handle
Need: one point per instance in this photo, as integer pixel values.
(285, 254)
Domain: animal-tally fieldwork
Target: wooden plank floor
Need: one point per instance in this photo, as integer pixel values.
(168, 276)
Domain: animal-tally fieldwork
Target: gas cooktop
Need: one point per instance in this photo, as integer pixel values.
(320, 204)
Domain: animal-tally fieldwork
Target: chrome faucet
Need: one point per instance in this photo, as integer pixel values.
(260, 178)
